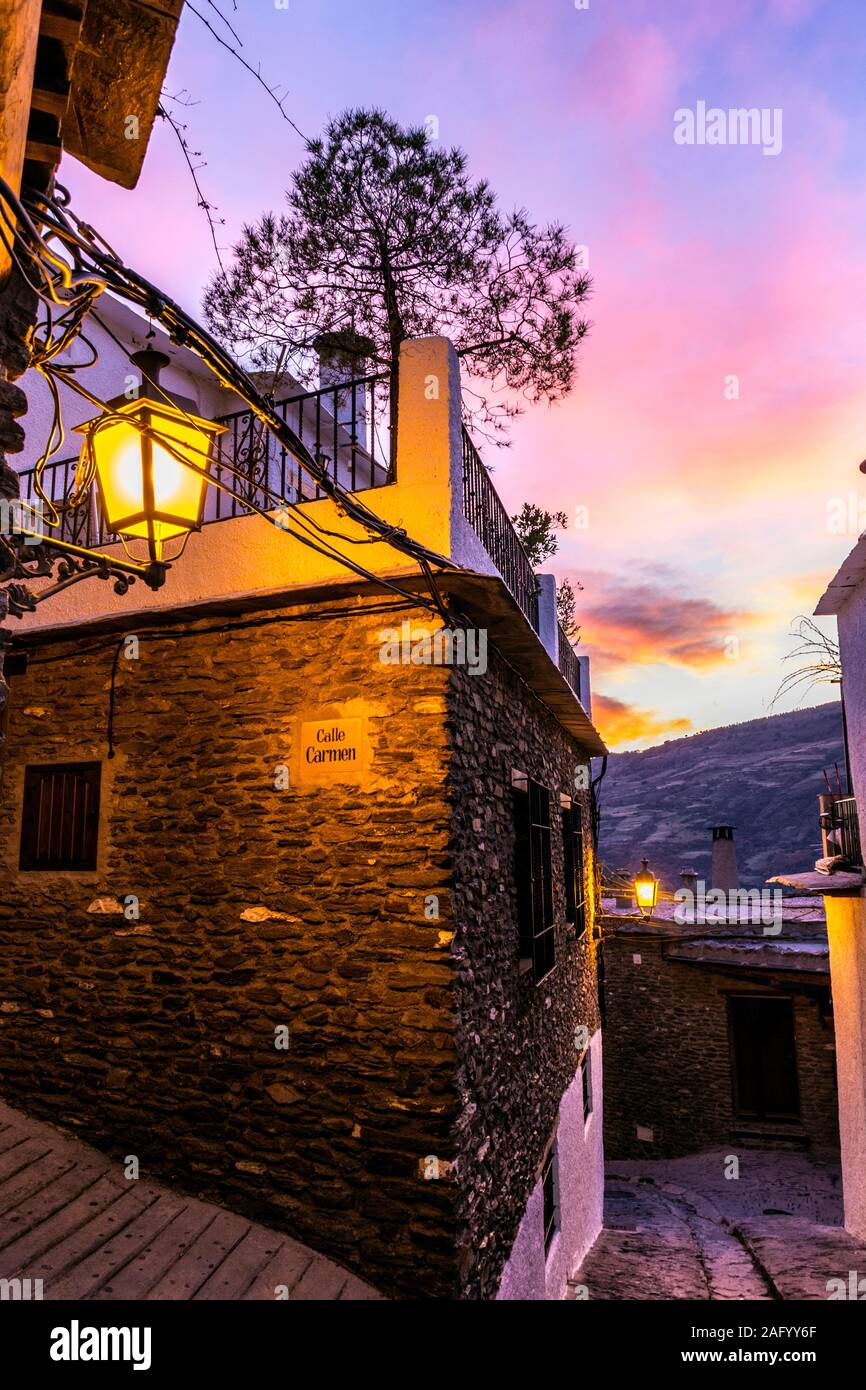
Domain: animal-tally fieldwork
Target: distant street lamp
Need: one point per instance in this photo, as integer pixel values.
(152, 472)
(646, 889)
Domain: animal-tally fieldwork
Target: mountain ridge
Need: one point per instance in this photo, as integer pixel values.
(762, 776)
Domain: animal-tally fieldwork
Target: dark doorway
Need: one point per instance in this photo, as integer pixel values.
(764, 1057)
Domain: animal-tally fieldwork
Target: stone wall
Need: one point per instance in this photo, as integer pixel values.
(516, 1045)
(668, 1064)
(17, 314)
(258, 908)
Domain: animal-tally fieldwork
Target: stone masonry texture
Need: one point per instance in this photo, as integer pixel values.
(516, 1041)
(259, 908)
(17, 315)
(156, 1037)
(668, 1064)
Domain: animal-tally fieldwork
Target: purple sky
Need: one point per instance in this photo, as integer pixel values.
(711, 504)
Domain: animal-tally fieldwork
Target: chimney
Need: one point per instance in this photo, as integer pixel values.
(624, 895)
(689, 880)
(724, 867)
(343, 357)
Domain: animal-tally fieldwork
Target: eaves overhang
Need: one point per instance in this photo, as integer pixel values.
(484, 599)
(815, 884)
(850, 574)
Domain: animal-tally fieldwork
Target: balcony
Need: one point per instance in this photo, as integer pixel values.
(345, 428)
(342, 426)
(568, 662)
(483, 509)
(433, 485)
(840, 872)
(840, 828)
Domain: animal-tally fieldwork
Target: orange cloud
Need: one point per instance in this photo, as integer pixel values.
(646, 622)
(621, 723)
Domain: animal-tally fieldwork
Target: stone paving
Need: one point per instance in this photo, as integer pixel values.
(680, 1229)
(770, 1181)
(674, 1229)
(69, 1217)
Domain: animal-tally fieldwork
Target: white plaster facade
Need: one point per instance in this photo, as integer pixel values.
(845, 599)
(530, 1274)
(245, 555)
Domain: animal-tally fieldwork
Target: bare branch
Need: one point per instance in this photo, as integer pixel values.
(253, 71)
(823, 665)
(207, 207)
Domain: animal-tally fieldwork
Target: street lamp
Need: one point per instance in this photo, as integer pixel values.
(150, 457)
(646, 889)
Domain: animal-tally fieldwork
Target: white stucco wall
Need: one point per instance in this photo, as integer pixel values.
(245, 556)
(851, 621)
(529, 1274)
(107, 378)
(846, 930)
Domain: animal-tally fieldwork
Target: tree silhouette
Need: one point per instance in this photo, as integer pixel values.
(386, 237)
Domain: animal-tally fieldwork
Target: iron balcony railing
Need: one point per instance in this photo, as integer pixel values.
(344, 426)
(483, 509)
(568, 662)
(840, 828)
(81, 525)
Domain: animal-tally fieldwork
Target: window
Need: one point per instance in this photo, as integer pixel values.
(60, 817)
(550, 1188)
(572, 845)
(586, 1068)
(534, 876)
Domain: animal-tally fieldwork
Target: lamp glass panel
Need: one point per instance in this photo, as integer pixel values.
(177, 490)
(645, 893)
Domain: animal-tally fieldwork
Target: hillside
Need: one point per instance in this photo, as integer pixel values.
(763, 777)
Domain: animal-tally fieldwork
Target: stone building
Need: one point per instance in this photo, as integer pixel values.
(297, 904)
(717, 1035)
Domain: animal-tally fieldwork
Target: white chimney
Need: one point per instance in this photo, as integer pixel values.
(343, 357)
(724, 866)
(689, 881)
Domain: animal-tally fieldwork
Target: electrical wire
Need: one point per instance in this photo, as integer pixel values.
(185, 331)
(95, 267)
(221, 629)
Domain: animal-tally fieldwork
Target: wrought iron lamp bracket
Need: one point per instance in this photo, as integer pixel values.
(22, 561)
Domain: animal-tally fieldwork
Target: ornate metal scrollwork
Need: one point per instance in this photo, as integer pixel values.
(21, 563)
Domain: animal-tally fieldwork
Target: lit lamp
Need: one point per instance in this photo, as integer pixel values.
(151, 457)
(646, 889)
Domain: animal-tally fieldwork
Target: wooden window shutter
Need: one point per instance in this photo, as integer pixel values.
(60, 816)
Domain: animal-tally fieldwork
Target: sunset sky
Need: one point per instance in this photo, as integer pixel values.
(711, 518)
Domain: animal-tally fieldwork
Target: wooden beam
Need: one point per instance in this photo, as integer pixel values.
(19, 33)
(56, 27)
(52, 100)
(62, 22)
(43, 151)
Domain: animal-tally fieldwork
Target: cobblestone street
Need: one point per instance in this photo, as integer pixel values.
(681, 1229)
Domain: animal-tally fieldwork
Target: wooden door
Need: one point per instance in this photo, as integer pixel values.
(766, 1086)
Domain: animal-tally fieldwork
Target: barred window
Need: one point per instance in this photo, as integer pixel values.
(550, 1188)
(60, 816)
(534, 875)
(586, 1068)
(572, 846)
